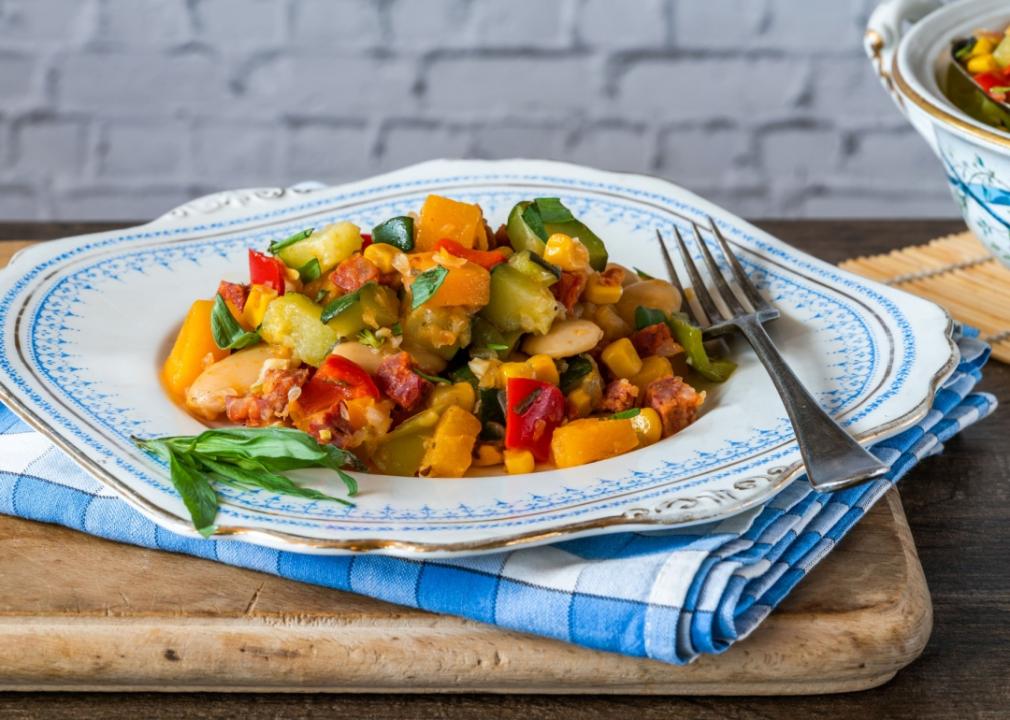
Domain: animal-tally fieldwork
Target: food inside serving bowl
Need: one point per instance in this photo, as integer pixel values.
(978, 79)
(434, 344)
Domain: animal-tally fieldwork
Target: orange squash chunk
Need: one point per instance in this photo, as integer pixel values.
(445, 218)
(193, 350)
(468, 284)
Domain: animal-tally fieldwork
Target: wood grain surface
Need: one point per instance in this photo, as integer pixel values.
(959, 510)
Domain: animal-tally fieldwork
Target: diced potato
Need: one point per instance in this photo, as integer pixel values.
(451, 450)
(518, 302)
(330, 245)
(585, 441)
(443, 218)
(292, 321)
(193, 350)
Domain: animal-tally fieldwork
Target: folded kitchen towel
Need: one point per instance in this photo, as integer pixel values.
(670, 595)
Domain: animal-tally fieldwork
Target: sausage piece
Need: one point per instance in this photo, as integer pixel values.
(676, 402)
(397, 379)
(620, 395)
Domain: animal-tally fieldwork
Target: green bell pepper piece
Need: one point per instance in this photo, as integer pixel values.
(690, 338)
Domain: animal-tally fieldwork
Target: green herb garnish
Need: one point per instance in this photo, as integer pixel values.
(228, 334)
(491, 413)
(432, 378)
(340, 305)
(397, 329)
(368, 338)
(646, 316)
(310, 271)
(965, 50)
(578, 367)
(245, 458)
(321, 295)
(642, 274)
(426, 285)
(276, 247)
(397, 231)
(626, 414)
(497, 347)
(527, 402)
(464, 374)
(552, 211)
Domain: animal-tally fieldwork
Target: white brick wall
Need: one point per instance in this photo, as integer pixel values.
(123, 108)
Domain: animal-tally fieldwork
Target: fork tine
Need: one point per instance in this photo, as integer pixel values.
(700, 291)
(745, 283)
(722, 287)
(671, 270)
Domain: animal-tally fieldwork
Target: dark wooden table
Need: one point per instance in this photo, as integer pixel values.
(958, 505)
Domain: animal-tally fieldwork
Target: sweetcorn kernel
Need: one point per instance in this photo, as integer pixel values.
(487, 455)
(580, 403)
(648, 426)
(510, 370)
(654, 367)
(519, 461)
(566, 252)
(460, 394)
(544, 369)
(382, 256)
(601, 293)
(622, 358)
(982, 64)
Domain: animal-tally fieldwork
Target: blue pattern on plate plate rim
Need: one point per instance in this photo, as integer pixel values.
(535, 502)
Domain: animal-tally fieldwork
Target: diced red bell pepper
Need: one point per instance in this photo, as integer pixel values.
(266, 270)
(533, 410)
(337, 380)
(366, 240)
(988, 80)
(487, 259)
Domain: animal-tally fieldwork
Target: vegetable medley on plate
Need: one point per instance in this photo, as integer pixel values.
(434, 344)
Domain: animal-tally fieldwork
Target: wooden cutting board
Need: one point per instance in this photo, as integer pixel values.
(79, 613)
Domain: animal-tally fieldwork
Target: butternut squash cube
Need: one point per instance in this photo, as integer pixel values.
(443, 218)
(585, 441)
(194, 350)
(451, 450)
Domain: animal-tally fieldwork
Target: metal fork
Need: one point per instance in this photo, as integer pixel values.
(833, 459)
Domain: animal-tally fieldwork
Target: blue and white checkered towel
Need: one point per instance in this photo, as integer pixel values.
(669, 596)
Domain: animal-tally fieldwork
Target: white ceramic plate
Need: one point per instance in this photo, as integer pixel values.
(87, 322)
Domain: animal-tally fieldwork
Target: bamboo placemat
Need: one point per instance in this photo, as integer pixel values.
(956, 272)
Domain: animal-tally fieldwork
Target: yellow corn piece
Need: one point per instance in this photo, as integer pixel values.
(488, 455)
(600, 294)
(518, 462)
(654, 367)
(648, 426)
(544, 369)
(510, 370)
(256, 305)
(566, 252)
(622, 358)
(382, 256)
(460, 394)
(580, 403)
(585, 441)
(984, 45)
(982, 64)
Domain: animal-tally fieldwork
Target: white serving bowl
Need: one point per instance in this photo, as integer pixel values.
(908, 42)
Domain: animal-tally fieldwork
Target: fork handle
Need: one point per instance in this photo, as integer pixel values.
(833, 459)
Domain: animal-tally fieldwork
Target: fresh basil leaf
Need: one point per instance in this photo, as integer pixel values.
(227, 333)
(642, 274)
(397, 329)
(397, 231)
(432, 378)
(276, 247)
(523, 405)
(426, 285)
(196, 491)
(578, 367)
(464, 374)
(276, 448)
(552, 211)
(626, 414)
(497, 347)
(491, 413)
(340, 305)
(531, 216)
(646, 316)
(310, 271)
